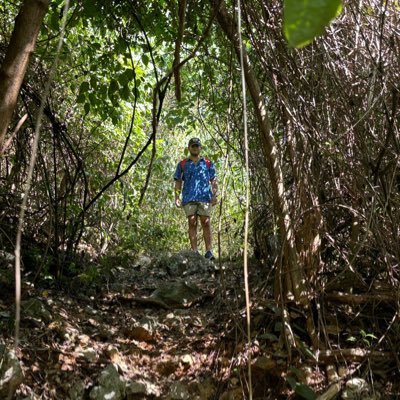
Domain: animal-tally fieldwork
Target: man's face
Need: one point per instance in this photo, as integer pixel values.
(194, 149)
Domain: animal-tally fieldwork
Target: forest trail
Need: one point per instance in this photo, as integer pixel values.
(171, 328)
(159, 329)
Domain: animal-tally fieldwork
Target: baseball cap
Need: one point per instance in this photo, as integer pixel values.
(194, 140)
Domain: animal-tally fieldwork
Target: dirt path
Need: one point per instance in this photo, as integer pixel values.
(68, 340)
(173, 328)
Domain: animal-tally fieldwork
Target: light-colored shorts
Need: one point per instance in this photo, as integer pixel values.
(197, 207)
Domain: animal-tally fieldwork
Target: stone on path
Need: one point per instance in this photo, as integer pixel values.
(77, 391)
(35, 309)
(177, 294)
(111, 385)
(141, 389)
(178, 391)
(183, 263)
(10, 372)
(357, 388)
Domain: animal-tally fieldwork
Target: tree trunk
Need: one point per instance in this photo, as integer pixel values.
(22, 45)
(293, 281)
(290, 278)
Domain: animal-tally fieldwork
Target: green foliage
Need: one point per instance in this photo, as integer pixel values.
(104, 85)
(302, 390)
(306, 19)
(363, 339)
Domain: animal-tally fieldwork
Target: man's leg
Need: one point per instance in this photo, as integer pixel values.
(192, 219)
(206, 225)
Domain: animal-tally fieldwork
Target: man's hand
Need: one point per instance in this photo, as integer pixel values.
(178, 201)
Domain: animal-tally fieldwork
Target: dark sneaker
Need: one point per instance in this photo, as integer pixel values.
(209, 255)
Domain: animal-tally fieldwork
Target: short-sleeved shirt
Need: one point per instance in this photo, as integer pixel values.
(196, 179)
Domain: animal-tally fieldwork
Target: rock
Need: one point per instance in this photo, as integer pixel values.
(88, 354)
(187, 359)
(140, 389)
(167, 367)
(111, 385)
(264, 363)
(34, 308)
(10, 372)
(234, 394)
(357, 384)
(356, 388)
(113, 354)
(139, 333)
(183, 263)
(142, 261)
(64, 330)
(135, 388)
(77, 391)
(204, 390)
(178, 391)
(177, 294)
(143, 331)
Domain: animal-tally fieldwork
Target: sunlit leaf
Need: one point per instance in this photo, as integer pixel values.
(306, 19)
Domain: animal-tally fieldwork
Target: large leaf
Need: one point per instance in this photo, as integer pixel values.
(306, 19)
(305, 392)
(302, 390)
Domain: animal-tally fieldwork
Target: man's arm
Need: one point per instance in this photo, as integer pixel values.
(177, 190)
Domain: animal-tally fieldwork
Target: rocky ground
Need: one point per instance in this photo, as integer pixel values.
(167, 328)
(153, 330)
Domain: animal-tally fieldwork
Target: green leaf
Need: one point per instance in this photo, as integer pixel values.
(291, 381)
(145, 59)
(306, 19)
(125, 93)
(84, 87)
(92, 99)
(93, 82)
(301, 389)
(90, 8)
(113, 87)
(305, 391)
(126, 77)
(54, 21)
(269, 336)
(278, 327)
(87, 108)
(81, 98)
(103, 92)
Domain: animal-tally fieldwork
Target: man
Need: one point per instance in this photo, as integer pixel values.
(197, 174)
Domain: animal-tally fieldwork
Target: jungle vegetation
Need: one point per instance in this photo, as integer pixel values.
(134, 80)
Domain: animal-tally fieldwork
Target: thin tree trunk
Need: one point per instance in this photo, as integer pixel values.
(290, 282)
(293, 279)
(22, 45)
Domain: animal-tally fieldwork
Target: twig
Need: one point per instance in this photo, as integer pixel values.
(17, 128)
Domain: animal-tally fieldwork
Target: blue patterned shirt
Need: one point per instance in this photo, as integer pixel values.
(196, 179)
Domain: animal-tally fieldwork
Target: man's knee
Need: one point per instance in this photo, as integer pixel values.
(205, 221)
(192, 220)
